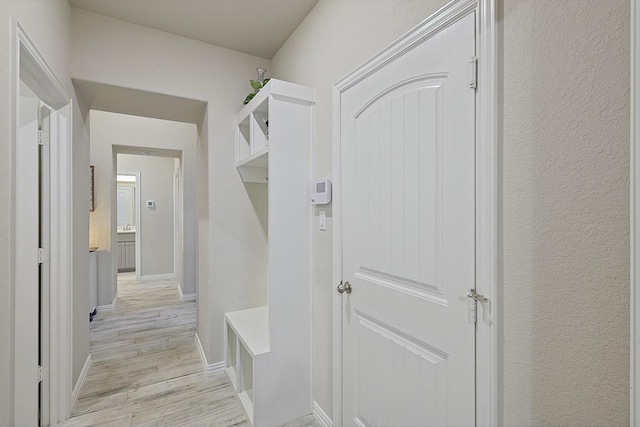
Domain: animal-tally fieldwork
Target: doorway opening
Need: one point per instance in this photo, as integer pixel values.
(145, 190)
(127, 192)
(149, 214)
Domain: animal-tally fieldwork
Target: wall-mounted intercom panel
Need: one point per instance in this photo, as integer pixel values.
(321, 192)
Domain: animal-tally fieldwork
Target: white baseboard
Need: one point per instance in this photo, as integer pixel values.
(209, 369)
(185, 297)
(108, 308)
(188, 297)
(321, 416)
(150, 277)
(81, 379)
(104, 308)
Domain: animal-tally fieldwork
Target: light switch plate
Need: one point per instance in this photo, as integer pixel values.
(323, 221)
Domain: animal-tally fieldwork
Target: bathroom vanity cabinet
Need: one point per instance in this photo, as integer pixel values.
(126, 251)
(268, 349)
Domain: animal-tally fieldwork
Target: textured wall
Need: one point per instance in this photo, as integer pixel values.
(566, 212)
(335, 38)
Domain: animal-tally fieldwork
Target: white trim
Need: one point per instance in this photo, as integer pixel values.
(321, 416)
(337, 258)
(41, 79)
(635, 215)
(489, 392)
(81, 380)
(107, 308)
(151, 277)
(185, 297)
(441, 19)
(209, 369)
(177, 194)
(188, 297)
(488, 248)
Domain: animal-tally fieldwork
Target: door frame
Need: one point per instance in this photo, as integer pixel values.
(27, 62)
(488, 199)
(634, 232)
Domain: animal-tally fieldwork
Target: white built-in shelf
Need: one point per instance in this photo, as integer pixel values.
(255, 124)
(268, 349)
(255, 167)
(252, 329)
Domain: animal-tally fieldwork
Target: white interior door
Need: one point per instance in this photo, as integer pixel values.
(45, 268)
(125, 206)
(407, 137)
(27, 241)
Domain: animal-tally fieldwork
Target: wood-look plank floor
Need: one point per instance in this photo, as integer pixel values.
(146, 370)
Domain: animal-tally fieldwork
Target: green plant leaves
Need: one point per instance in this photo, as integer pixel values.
(248, 98)
(256, 86)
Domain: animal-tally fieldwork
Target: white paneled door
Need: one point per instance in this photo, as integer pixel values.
(407, 133)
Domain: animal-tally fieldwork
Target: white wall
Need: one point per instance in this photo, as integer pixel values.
(566, 223)
(48, 25)
(109, 129)
(154, 233)
(121, 54)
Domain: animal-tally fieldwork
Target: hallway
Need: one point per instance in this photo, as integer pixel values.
(146, 370)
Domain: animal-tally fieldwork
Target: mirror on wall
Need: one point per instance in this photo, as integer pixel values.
(126, 196)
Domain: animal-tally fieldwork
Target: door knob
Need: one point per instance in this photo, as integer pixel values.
(344, 287)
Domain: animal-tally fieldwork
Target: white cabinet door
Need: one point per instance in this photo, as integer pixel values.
(408, 157)
(131, 255)
(122, 255)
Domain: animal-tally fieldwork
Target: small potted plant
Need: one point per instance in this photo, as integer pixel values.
(256, 84)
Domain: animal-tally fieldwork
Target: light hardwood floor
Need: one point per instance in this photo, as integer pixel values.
(146, 370)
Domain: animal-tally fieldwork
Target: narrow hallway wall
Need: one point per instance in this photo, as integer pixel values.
(566, 212)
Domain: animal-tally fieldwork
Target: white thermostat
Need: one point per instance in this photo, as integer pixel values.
(321, 192)
(150, 203)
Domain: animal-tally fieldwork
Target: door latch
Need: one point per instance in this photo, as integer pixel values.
(474, 297)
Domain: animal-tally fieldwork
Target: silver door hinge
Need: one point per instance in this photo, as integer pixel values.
(43, 255)
(43, 374)
(473, 73)
(474, 297)
(43, 137)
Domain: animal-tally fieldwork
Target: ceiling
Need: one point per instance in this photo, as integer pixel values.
(255, 27)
